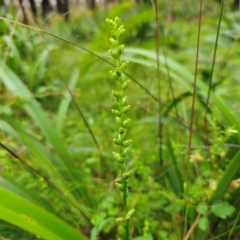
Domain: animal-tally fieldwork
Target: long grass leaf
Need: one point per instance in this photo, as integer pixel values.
(33, 108)
(185, 79)
(18, 189)
(27, 215)
(173, 172)
(64, 104)
(82, 48)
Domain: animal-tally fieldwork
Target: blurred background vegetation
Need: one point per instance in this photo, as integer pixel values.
(36, 68)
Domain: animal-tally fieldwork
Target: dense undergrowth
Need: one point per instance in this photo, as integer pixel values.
(57, 170)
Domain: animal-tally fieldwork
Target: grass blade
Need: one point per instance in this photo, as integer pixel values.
(63, 107)
(27, 215)
(33, 108)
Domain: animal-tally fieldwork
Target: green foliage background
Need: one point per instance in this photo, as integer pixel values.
(63, 173)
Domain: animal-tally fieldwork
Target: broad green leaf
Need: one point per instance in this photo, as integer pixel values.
(27, 215)
(222, 209)
(203, 223)
(202, 208)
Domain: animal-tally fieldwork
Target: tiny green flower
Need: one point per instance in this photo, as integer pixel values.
(130, 213)
(113, 42)
(116, 113)
(126, 123)
(124, 101)
(125, 85)
(124, 65)
(118, 120)
(116, 94)
(120, 219)
(127, 142)
(126, 175)
(117, 141)
(121, 130)
(120, 186)
(114, 75)
(116, 155)
(125, 109)
(118, 180)
(113, 54)
(126, 151)
(120, 50)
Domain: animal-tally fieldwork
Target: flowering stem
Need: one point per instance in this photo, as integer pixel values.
(119, 76)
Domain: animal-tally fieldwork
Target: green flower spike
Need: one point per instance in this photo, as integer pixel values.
(122, 84)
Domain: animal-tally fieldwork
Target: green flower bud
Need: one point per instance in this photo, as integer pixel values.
(117, 141)
(121, 130)
(127, 142)
(118, 72)
(125, 84)
(120, 219)
(113, 42)
(130, 213)
(116, 20)
(118, 121)
(113, 54)
(124, 65)
(128, 174)
(120, 31)
(126, 151)
(109, 21)
(120, 186)
(117, 95)
(116, 113)
(114, 75)
(125, 109)
(118, 180)
(124, 101)
(114, 35)
(116, 155)
(126, 123)
(120, 160)
(120, 49)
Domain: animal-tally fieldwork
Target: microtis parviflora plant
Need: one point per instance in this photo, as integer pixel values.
(122, 124)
